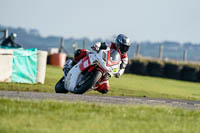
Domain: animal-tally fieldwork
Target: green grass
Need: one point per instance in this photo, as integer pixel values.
(127, 85)
(145, 86)
(27, 116)
(53, 74)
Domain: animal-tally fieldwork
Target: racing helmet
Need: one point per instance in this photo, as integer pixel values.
(13, 36)
(122, 43)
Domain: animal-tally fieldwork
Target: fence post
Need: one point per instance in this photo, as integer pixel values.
(83, 44)
(161, 52)
(185, 55)
(61, 49)
(6, 33)
(137, 51)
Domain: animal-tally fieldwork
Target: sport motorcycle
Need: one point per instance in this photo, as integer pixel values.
(90, 71)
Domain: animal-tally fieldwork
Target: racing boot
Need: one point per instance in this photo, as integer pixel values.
(103, 87)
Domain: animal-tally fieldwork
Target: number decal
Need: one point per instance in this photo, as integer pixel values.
(85, 63)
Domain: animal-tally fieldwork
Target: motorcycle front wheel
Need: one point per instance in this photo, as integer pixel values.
(89, 80)
(59, 87)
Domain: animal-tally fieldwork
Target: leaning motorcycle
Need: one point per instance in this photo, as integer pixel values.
(90, 71)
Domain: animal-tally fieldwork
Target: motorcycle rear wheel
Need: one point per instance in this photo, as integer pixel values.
(91, 81)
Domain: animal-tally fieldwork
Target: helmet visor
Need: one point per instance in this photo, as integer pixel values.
(123, 49)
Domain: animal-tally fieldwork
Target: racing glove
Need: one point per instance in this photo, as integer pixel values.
(99, 45)
(121, 71)
(96, 46)
(117, 75)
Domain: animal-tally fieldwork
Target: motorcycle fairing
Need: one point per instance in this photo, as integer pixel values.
(112, 58)
(108, 61)
(72, 77)
(85, 63)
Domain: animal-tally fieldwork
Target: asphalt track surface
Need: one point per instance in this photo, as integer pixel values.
(101, 99)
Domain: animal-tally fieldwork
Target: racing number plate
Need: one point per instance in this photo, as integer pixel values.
(84, 63)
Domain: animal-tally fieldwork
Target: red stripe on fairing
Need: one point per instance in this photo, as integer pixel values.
(91, 68)
(97, 68)
(85, 63)
(109, 61)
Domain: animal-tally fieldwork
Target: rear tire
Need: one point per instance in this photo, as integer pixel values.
(94, 76)
(59, 87)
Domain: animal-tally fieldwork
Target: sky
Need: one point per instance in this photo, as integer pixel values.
(140, 20)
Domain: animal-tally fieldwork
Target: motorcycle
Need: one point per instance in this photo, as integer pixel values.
(89, 71)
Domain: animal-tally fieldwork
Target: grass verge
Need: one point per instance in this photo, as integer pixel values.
(28, 116)
(145, 86)
(53, 74)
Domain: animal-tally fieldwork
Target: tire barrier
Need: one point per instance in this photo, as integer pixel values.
(167, 69)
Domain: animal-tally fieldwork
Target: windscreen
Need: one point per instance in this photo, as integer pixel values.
(115, 56)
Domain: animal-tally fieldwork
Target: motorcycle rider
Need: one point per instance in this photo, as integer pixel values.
(121, 44)
(11, 40)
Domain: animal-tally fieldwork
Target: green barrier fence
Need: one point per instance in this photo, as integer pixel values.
(24, 68)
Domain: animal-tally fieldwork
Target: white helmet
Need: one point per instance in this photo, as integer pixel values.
(13, 36)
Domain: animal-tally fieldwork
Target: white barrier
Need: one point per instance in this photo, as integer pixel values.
(6, 57)
(41, 66)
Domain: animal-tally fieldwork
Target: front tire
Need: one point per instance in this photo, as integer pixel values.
(91, 81)
(59, 87)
